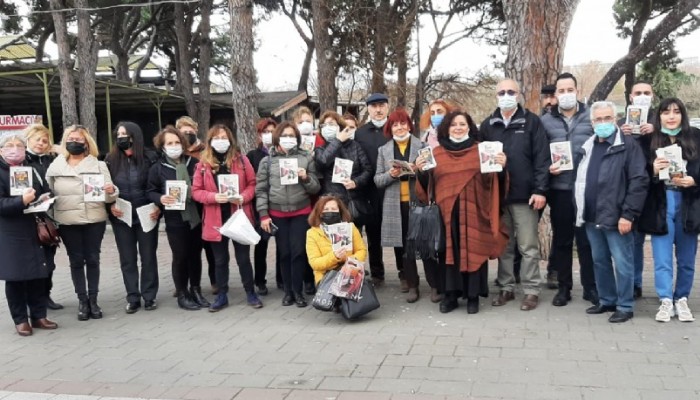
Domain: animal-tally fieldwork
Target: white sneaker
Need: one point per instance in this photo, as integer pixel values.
(684, 314)
(665, 311)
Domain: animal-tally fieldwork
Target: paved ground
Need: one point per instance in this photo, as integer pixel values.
(401, 351)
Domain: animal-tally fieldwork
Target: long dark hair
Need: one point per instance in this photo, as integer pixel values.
(116, 159)
(684, 139)
(443, 130)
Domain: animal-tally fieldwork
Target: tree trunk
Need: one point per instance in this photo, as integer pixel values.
(666, 26)
(204, 66)
(41, 43)
(122, 68)
(402, 71)
(325, 57)
(183, 61)
(537, 32)
(243, 73)
(379, 62)
(306, 67)
(635, 38)
(87, 64)
(65, 66)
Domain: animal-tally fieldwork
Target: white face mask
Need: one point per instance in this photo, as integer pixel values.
(567, 101)
(329, 132)
(288, 143)
(220, 145)
(460, 139)
(266, 139)
(379, 123)
(507, 102)
(403, 138)
(306, 128)
(173, 152)
(642, 100)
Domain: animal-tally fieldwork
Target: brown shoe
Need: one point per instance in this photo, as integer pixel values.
(404, 286)
(435, 297)
(24, 329)
(529, 302)
(504, 296)
(44, 323)
(413, 295)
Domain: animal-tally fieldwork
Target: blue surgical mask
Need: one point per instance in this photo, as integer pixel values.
(436, 119)
(604, 129)
(671, 132)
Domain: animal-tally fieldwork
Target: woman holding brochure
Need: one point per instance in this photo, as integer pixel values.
(221, 167)
(183, 227)
(82, 186)
(128, 164)
(672, 209)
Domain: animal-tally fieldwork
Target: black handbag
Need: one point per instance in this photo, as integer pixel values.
(360, 210)
(368, 302)
(322, 299)
(425, 235)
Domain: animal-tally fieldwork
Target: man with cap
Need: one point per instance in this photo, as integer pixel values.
(371, 137)
(548, 98)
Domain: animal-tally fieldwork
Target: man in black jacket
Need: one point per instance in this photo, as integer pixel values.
(611, 186)
(371, 137)
(526, 146)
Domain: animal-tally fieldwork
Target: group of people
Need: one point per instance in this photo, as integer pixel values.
(292, 187)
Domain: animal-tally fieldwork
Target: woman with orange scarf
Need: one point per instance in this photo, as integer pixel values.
(469, 204)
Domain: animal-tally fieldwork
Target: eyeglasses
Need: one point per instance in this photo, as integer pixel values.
(510, 92)
(603, 119)
(19, 146)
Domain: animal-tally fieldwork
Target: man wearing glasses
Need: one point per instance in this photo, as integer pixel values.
(611, 186)
(527, 148)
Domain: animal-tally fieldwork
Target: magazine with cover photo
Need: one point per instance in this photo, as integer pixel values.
(178, 190)
(636, 117)
(342, 170)
(20, 180)
(340, 235)
(289, 171)
(561, 155)
(348, 282)
(674, 155)
(93, 188)
(487, 156)
(427, 154)
(228, 185)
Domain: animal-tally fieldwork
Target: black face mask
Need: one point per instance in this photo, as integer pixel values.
(124, 143)
(331, 217)
(192, 139)
(75, 148)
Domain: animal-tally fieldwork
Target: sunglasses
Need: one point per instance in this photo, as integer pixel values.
(509, 92)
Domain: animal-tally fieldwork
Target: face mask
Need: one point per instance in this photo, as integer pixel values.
(379, 123)
(75, 148)
(641, 100)
(331, 217)
(459, 140)
(173, 152)
(403, 138)
(266, 139)
(220, 145)
(191, 139)
(306, 128)
(124, 143)
(567, 101)
(436, 119)
(605, 129)
(13, 156)
(288, 143)
(671, 132)
(507, 102)
(329, 132)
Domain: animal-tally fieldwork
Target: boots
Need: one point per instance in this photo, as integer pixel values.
(197, 297)
(187, 302)
(83, 310)
(95, 310)
(52, 305)
(413, 295)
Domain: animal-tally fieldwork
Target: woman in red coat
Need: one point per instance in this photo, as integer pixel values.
(221, 156)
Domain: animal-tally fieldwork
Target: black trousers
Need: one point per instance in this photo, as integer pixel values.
(434, 274)
(186, 247)
(209, 254)
(563, 216)
(83, 243)
(291, 243)
(132, 243)
(222, 259)
(407, 266)
(373, 231)
(23, 295)
(50, 252)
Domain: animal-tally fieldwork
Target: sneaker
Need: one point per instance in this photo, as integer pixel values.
(220, 303)
(666, 311)
(253, 300)
(683, 311)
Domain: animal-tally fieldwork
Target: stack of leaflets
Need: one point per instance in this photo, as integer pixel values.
(93, 188)
(289, 171)
(427, 154)
(342, 170)
(20, 180)
(674, 155)
(636, 116)
(178, 190)
(561, 155)
(487, 156)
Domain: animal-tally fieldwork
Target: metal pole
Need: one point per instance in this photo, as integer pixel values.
(44, 79)
(157, 103)
(109, 117)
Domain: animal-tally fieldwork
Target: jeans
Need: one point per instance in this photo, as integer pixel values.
(406, 264)
(132, 243)
(639, 238)
(291, 243)
(222, 259)
(23, 295)
(522, 222)
(662, 249)
(83, 243)
(186, 246)
(615, 285)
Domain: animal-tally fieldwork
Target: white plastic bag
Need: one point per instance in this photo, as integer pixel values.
(239, 229)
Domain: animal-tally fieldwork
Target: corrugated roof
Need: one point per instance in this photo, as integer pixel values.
(18, 51)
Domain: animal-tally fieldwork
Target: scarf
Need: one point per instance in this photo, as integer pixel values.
(190, 213)
(452, 146)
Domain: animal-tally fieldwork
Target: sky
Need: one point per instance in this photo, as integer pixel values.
(592, 37)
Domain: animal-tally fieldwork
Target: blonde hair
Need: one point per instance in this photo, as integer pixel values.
(89, 141)
(296, 117)
(35, 130)
(208, 156)
(186, 121)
